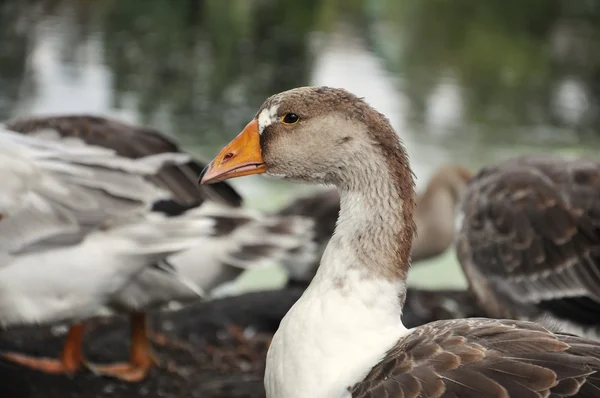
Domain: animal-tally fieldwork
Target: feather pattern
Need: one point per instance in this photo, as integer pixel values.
(242, 240)
(531, 236)
(484, 358)
(67, 244)
(54, 195)
(132, 142)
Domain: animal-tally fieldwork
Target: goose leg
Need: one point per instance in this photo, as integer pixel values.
(238, 333)
(141, 358)
(70, 359)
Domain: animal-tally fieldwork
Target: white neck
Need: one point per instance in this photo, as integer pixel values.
(349, 316)
(358, 254)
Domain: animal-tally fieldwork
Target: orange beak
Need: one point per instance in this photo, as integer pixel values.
(241, 157)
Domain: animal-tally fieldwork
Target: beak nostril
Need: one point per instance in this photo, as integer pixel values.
(227, 157)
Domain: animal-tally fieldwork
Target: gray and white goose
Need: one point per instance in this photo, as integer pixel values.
(344, 337)
(239, 238)
(75, 227)
(529, 240)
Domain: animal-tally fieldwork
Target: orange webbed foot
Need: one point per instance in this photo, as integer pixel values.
(70, 360)
(47, 365)
(129, 372)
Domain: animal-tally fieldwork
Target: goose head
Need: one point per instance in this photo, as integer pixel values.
(316, 135)
(323, 135)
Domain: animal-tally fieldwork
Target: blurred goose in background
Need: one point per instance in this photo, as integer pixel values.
(344, 337)
(529, 241)
(434, 216)
(75, 227)
(240, 239)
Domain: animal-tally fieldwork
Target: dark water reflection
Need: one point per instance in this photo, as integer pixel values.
(462, 80)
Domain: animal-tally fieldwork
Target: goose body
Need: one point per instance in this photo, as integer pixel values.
(235, 239)
(74, 282)
(73, 232)
(344, 337)
(529, 241)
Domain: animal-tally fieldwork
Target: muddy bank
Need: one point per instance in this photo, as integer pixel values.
(201, 350)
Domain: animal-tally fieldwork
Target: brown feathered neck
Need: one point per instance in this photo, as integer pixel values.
(451, 179)
(378, 204)
(342, 141)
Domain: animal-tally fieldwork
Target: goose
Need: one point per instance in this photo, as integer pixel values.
(434, 216)
(241, 238)
(529, 240)
(75, 227)
(344, 337)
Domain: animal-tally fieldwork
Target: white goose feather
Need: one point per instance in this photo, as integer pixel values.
(73, 231)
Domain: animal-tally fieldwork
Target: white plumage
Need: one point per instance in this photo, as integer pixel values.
(76, 228)
(214, 260)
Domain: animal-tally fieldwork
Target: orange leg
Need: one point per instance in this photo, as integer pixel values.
(141, 359)
(71, 356)
(237, 332)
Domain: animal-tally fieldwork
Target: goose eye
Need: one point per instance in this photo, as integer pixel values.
(290, 118)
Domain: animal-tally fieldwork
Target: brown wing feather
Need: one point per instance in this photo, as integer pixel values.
(531, 229)
(134, 142)
(485, 358)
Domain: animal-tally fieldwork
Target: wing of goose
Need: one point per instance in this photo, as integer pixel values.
(481, 358)
(531, 233)
(54, 192)
(132, 142)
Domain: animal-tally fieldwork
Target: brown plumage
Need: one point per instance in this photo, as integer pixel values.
(134, 142)
(435, 211)
(485, 358)
(530, 240)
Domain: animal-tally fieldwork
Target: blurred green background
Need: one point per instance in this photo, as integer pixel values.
(465, 81)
